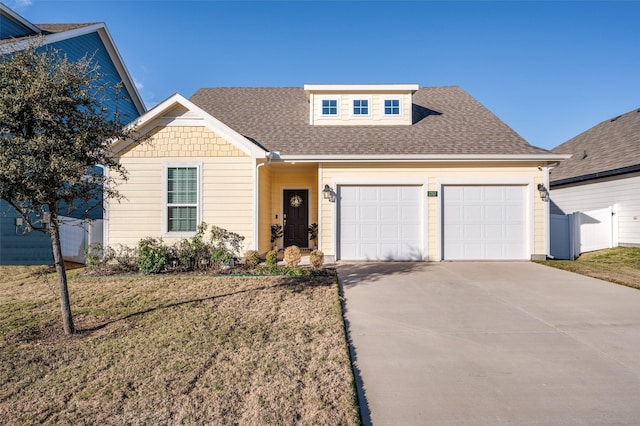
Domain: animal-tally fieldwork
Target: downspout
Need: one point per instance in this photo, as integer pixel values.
(256, 199)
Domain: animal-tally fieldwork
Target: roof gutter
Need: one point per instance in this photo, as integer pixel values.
(546, 158)
(607, 173)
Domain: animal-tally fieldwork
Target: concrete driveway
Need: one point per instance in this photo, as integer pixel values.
(491, 343)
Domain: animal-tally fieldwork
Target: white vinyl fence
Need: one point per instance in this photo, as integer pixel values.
(581, 232)
(76, 235)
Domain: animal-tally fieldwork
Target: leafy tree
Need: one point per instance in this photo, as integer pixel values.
(54, 128)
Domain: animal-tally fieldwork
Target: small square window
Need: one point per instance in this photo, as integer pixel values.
(360, 107)
(329, 107)
(392, 107)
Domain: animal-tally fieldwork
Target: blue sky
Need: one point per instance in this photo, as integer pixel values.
(550, 70)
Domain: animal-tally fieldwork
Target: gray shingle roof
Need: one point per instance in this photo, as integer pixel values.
(48, 29)
(611, 145)
(447, 120)
(59, 28)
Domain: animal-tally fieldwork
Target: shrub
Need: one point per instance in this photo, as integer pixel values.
(316, 258)
(276, 233)
(193, 253)
(153, 255)
(272, 259)
(251, 258)
(220, 258)
(292, 256)
(224, 240)
(102, 260)
(124, 258)
(93, 255)
(313, 232)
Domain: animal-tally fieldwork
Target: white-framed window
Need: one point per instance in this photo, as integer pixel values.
(330, 107)
(391, 107)
(182, 198)
(360, 107)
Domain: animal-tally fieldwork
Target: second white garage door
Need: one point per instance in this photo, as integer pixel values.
(484, 222)
(379, 222)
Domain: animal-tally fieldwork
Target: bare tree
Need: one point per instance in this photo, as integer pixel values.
(58, 119)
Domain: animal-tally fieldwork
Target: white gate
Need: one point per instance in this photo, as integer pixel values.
(581, 232)
(76, 235)
(596, 229)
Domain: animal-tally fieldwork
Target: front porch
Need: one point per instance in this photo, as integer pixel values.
(288, 198)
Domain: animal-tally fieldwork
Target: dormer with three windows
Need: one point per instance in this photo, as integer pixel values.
(360, 104)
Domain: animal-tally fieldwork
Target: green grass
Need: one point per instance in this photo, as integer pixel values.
(174, 350)
(620, 265)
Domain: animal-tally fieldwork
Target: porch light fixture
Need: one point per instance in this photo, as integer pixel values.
(544, 192)
(328, 194)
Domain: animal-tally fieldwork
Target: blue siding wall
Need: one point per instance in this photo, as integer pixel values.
(19, 248)
(34, 247)
(10, 28)
(91, 44)
(80, 210)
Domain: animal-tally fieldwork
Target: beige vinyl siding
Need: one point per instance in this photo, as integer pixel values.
(265, 210)
(376, 116)
(435, 175)
(226, 184)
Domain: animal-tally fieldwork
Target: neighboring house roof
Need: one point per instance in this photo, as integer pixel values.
(446, 121)
(23, 32)
(59, 28)
(612, 147)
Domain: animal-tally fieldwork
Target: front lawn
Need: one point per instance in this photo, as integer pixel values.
(620, 265)
(174, 350)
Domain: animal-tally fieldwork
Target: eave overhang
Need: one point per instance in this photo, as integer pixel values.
(543, 159)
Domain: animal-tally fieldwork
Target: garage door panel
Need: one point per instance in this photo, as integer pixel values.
(514, 213)
(471, 193)
(387, 219)
(471, 213)
(410, 214)
(389, 194)
(494, 213)
(493, 232)
(389, 232)
(389, 213)
(368, 213)
(484, 222)
(368, 232)
(368, 194)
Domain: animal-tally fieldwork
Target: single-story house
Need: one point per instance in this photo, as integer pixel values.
(604, 171)
(388, 171)
(18, 245)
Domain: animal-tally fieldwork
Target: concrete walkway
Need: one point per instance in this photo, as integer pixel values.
(493, 343)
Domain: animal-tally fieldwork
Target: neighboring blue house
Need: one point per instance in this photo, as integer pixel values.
(18, 247)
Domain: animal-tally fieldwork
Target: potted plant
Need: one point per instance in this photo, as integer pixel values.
(313, 234)
(276, 233)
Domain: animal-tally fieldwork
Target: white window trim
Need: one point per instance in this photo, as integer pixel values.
(352, 99)
(165, 203)
(382, 112)
(338, 106)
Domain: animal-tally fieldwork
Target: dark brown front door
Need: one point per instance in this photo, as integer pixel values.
(296, 217)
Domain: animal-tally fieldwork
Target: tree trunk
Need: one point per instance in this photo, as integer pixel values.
(65, 305)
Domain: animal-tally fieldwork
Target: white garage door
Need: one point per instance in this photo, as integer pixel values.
(484, 222)
(379, 222)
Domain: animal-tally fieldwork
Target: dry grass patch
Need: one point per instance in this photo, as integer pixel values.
(620, 265)
(178, 350)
